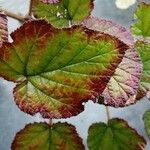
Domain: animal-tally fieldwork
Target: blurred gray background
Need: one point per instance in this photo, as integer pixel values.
(12, 119)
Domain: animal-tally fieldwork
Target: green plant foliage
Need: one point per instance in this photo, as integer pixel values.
(142, 26)
(116, 135)
(64, 12)
(144, 51)
(41, 136)
(146, 119)
(58, 69)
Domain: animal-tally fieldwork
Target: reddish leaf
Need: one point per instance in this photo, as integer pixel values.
(58, 69)
(41, 136)
(109, 27)
(122, 87)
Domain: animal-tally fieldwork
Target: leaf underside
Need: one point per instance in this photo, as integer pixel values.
(116, 135)
(41, 136)
(58, 69)
(122, 88)
(109, 27)
(146, 119)
(65, 12)
(3, 29)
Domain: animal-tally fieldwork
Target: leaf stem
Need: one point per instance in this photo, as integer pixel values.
(15, 16)
(50, 121)
(30, 8)
(108, 113)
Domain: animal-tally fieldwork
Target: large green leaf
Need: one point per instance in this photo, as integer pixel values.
(122, 88)
(41, 136)
(146, 119)
(3, 28)
(65, 12)
(144, 87)
(58, 69)
(142, 26)
(116, 135)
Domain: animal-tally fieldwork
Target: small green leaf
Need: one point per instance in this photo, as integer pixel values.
(144, 87)
(142, 26)
(63, 13)
(58, 69)
(41, 136)
(3, 28)
(116, 135)
(146, 119)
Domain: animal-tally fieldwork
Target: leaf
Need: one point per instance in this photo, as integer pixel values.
(41, 136)
(142, 26)
(146, 119)
(144, 87)
(122, 88)
(58, 69)
(65, 12)
(116, 135)
(3, 28)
